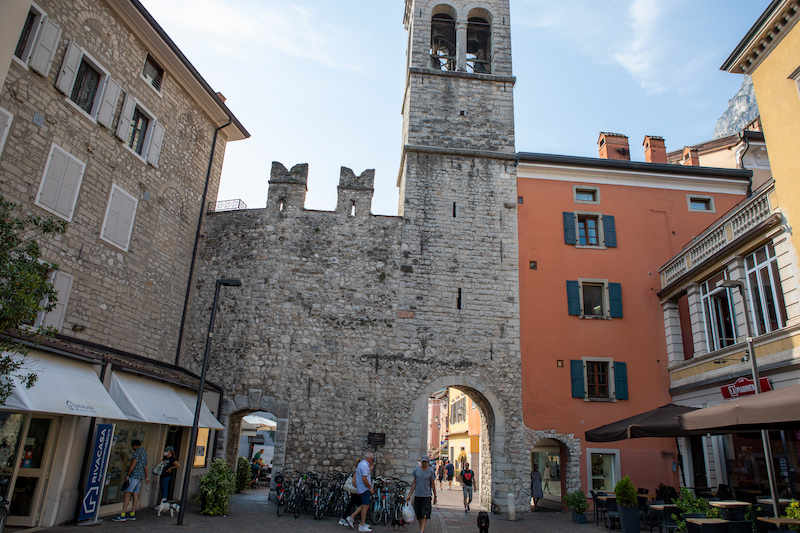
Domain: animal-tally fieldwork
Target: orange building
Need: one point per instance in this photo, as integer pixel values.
(592, 236)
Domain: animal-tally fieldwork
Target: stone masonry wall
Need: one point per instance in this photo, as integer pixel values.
(129, 300)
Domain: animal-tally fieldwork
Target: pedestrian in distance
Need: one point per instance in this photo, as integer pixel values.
(137, 471)
(365, 490)
(468, 483)
(536, 485)
(546, 476)
(423, 487)
(170, 466)
(450, 471)
(440, 472)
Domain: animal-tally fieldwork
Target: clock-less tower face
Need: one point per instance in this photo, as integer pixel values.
(458, 293)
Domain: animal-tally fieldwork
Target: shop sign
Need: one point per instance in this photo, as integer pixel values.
(744, 387)
(103, 441)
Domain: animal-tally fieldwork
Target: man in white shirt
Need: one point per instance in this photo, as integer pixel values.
(365, 490)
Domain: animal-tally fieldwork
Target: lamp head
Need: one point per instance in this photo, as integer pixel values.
(730, 283)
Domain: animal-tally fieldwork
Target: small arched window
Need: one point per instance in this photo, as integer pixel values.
(443, 42)
(479, 48)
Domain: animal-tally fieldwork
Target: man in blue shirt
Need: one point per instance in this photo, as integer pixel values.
(365, 490)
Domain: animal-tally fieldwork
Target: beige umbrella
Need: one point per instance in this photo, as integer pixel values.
(772, 409)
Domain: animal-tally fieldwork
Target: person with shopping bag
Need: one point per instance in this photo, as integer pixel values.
(423, 487)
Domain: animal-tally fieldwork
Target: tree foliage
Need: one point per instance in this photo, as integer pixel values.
(25, 289)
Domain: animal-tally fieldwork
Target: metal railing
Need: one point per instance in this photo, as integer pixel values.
(729, 228)
(226, 205)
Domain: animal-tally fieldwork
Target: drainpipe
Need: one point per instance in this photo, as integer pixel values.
(87, 452)
(743, 137)
(197, 242)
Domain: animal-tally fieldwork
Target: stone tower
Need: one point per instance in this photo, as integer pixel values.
(459, 290)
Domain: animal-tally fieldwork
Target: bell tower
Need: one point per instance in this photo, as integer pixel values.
(458, 307)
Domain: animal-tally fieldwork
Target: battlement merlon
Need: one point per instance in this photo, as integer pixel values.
(354, 194)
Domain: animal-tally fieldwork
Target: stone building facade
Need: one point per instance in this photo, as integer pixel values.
(346, 319)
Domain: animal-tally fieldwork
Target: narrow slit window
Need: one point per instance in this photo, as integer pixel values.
(353, 208)
(458, 300)
(281, 206)
(454, 210)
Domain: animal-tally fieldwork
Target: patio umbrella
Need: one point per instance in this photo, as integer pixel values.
(774, 409)
(260, 422)
(661, 422)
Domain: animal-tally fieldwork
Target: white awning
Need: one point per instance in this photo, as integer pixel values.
(64, 387)
(259, 422)
(146, 400)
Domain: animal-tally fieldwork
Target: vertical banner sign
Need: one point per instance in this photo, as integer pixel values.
(90, 505)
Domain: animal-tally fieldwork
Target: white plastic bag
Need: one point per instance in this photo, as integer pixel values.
(408, 513)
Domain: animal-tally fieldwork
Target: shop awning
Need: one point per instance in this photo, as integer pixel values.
(63, 386)
(146, 400)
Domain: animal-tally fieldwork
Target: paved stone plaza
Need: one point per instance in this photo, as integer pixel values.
(252, 511)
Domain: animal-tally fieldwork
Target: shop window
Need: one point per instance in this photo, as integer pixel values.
(139, 129)
(479, 33)
(58, 191)
(591, 298)
(603, 469)
(599, 378)
(587, 229)
(765, 292)
(201, 448)
(120, 458)
(718, 313)
(118, 221)
(152, 73)
(443, 42)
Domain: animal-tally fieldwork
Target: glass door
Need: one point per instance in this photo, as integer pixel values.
(31, 465)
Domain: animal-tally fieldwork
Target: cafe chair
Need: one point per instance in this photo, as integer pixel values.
(734, 515)
(612, 513)
(740, 526)
(669, 523)
(655, 516)
(599, 508)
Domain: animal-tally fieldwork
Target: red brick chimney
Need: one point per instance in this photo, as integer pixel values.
(655, 150)
(614, 146)
(689, 157)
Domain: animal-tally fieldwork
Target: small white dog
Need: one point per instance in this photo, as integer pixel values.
(166, 506)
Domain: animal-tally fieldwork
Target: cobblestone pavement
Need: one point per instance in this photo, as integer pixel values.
(252, 512)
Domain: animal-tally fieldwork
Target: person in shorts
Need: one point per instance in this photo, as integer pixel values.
(137, 471)
(423, 487)
(450, 470)
(467, 483)
(364, 487)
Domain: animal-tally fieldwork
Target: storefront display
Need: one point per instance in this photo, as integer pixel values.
(120, 459)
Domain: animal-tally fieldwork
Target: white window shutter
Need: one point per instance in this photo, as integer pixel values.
(110, 97)
(62, 283)
(128, 107)
(56, 168)
(69, 188)
(62, 179)
(156, 140)
(69, 68)
(46, 46)
(5, 127)
(119, 218)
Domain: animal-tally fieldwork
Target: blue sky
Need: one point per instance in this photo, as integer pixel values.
(321, 82)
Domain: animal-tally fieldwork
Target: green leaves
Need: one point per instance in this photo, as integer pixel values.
(243, 474)
(216, 488)
(25, 289)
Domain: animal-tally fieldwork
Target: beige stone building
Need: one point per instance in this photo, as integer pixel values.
(105, 124)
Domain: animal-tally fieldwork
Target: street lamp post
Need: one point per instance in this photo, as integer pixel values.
(773, 486)
(193, 438)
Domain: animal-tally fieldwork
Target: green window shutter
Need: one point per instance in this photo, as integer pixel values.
(573, 298)
(621, 380)
(569, 228)
(576, 369)
(609, 231)
(615, 299)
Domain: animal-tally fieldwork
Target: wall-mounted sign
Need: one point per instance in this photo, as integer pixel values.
(377, 439)
(744, 387)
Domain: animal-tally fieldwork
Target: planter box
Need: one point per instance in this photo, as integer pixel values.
(579, 518)
(629, 519)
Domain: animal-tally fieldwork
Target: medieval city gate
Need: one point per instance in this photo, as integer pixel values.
(351, 320)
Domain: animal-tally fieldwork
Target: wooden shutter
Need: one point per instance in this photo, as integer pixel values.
(62, 283)
(576, 374)
(609, 231)
(569, 228)
(109, 104)
(119, 218)
(573, 298)
(621, 380)
(128, 107)
(615, 299)
(46, 46)
(60, 184)
(69, 68)
(5, 127)
(155, 144)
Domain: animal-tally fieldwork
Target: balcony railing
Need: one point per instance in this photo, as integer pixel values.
(226, 205)
(739, 221)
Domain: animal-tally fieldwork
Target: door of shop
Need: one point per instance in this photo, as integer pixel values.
(26, 453)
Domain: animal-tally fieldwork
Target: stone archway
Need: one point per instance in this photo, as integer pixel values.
(571, 447)
(493, 428)
(233, 409)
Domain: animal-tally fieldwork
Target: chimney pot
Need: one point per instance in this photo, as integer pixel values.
(613, 146)
(655, 149)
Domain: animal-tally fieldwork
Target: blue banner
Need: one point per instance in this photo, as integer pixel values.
(90, 505)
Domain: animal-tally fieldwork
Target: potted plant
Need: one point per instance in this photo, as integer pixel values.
(216, 488)
(243, 475)
(627, 505)
(689, 504)
(577, 503)
(793, 511)
(666, 493)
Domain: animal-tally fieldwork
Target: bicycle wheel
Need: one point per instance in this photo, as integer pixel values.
(384, 512)
(281, 504)
(299, 502)
(319, 508)
(375, 512)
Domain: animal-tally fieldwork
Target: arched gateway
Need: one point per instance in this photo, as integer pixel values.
(354, 320)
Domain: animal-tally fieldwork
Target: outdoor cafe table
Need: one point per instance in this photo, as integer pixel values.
(701, 521)
(781, 522)
(728, 504)
(768, 501)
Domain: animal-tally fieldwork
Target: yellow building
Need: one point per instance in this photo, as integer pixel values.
(464, 431)
(770, 53)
